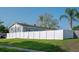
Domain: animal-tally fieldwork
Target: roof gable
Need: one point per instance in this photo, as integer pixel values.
(14, 24)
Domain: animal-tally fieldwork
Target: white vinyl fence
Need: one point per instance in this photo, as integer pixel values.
(49, 34)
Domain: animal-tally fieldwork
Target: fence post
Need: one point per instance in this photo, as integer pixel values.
(28, 34)
(46, 35)
(54, 34)
(39, 35)
(33, 34)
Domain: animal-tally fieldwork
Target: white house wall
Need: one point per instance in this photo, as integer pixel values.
(16, 26)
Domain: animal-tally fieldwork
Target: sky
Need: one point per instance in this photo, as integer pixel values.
(30, 15)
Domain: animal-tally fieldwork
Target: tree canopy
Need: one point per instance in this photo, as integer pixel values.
(76, 27)
(3, 29)
(47, 21)
(70, 14)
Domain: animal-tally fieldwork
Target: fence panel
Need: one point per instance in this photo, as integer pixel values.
(50, 35)
(36, 35)
(43, 35)
(58, 34)
(13, 35)
(17, 35)
(22, 34)
(30, 35)
(8, 35)
(26, 35)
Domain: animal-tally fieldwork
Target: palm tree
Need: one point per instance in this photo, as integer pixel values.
(70, 15)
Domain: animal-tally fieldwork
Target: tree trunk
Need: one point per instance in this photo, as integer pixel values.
(71, 25)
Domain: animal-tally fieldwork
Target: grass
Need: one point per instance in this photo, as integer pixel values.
(43, 45)
(9, 50)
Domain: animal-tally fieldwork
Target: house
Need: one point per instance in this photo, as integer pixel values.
(22, 27)
(21, 30)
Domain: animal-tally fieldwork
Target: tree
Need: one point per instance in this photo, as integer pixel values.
(3, 29)
(47, 21)
(76, 27)
(70, 15)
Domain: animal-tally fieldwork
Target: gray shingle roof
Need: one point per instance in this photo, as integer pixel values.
(23, 24)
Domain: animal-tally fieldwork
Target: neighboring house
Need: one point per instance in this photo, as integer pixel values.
(21, 27)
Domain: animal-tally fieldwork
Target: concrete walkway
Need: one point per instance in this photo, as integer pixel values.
(17, 48)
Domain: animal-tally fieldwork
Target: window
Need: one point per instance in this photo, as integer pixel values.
(12, 30)
(18, 29)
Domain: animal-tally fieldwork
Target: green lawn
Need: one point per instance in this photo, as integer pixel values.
(43, 45)
(9, 50)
